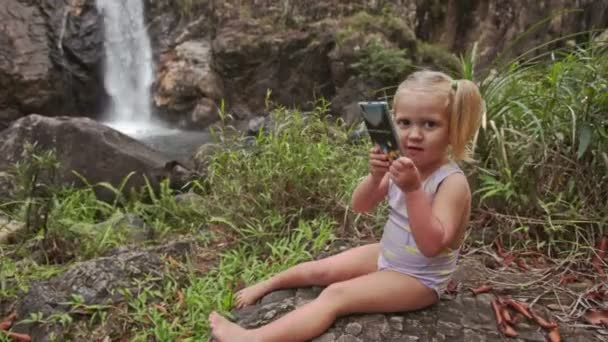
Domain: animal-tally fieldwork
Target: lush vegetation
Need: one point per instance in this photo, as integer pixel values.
(282, 198)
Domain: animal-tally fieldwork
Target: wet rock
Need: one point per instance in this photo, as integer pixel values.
(188, 90)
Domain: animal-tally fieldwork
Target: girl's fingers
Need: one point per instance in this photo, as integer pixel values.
(379, 156)
(379, 163)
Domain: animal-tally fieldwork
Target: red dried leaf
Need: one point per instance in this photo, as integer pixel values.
(596, 261)
(567, 279)
(595, 295)
(603, 246)
(519, 307)
(543, 322)
(554, 335)
(597, 317)
(507, 330)
(508, 259)
(499, 248)
(452, 287)
(522, 264)
(8, 321)
(598, 266)
(481, 289)
(506, 314)
(19, 337)
(497, 312)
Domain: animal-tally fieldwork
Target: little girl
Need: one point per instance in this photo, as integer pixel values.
(429, 205)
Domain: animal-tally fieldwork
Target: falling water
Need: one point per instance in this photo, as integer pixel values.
(64, 21)
(128, 64)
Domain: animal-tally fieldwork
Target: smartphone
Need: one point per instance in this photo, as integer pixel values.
(380, 127)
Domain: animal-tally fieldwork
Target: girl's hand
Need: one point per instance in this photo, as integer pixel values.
(405, 174)
(378, 163)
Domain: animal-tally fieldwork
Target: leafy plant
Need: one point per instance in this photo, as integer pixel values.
(386, 64)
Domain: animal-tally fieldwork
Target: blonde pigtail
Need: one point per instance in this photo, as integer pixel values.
(465, 118)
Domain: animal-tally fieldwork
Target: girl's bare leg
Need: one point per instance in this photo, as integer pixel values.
(384, 291)
(346, 265)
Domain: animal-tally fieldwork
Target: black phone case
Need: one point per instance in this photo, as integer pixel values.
(380, 127)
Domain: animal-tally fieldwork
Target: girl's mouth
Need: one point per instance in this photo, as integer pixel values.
(413, 151)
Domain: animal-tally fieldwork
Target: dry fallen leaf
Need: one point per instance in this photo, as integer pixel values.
(520, 307)
(501, 322)
(597, 260)
(522, 264)
(597, 317)
(8, 321)
(543, 322)
(19, 337)
(452, 287)
(481, 289)
(554, 335)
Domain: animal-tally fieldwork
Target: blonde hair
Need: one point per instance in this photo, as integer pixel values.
(464, 106)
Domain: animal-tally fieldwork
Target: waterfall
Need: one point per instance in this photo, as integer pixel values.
(128, 66)
(64, 21)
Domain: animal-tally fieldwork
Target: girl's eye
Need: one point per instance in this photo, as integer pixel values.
(430, 124)
(403, 122)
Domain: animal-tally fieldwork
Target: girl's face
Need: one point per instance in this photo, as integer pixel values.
(422, 121)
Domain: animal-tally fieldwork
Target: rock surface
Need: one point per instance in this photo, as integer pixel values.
(460, 317)
(97, 152)
(52, 50)
(96, 281)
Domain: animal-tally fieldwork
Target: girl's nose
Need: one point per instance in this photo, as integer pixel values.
(414, 133)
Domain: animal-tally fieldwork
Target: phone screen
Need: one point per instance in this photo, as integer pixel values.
(380, 127)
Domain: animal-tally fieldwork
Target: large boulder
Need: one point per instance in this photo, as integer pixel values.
(253, 57)
(188, 90)
(50, 58)
(95, 151)
(462, 317)
(100, 281)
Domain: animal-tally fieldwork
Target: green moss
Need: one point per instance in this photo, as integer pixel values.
(437, 57)
(387, 24)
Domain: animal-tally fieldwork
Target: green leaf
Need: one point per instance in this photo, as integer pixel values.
(584, 139)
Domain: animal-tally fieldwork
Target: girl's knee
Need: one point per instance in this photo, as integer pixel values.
(319, 272)
(335, 297)
(335, 292)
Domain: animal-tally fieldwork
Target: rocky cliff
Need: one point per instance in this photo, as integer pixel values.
(205, 51)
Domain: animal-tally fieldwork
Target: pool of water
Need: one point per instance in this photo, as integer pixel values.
(175, 143)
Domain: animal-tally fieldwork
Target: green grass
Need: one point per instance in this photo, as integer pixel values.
(543, 150)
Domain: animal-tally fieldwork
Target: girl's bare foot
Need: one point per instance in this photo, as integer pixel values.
(250, 294)
(222, 330)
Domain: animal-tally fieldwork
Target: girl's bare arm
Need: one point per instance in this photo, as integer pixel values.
(369, 193)
(436, 226)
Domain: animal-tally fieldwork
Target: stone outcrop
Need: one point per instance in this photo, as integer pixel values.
(96, 282)
(457, 317)
(188, 90)
(52, 51)
(97, 152)
(50, 58)
(496, 24)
